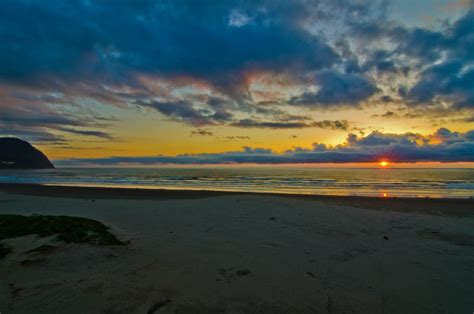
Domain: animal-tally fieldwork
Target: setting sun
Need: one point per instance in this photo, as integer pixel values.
(384, 163)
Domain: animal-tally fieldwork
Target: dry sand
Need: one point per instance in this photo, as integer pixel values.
(204, 252)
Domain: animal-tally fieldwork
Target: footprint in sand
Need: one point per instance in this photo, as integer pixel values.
(271, 245)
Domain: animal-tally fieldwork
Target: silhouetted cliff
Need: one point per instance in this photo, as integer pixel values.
(18, 154)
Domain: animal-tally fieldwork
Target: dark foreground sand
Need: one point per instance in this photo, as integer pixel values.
(216, 252)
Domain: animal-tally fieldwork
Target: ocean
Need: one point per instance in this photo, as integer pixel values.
(391, 182)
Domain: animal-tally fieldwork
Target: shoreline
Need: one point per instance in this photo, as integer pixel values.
(441, 206)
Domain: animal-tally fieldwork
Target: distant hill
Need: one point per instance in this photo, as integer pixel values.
(19, 154)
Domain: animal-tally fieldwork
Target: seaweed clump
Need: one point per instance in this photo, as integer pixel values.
(66, 228)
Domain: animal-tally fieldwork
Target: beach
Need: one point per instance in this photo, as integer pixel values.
(225, 252)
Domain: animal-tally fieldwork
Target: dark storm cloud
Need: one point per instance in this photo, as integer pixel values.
(95, 37)
(183, 110)
(450, 77)
(383, 62)
(452, 80)
(49, 44)
(442, 146)
(337, 88)
(421, 43)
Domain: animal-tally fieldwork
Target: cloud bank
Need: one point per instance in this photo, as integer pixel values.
(441, 146)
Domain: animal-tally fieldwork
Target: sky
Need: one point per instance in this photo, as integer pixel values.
(239, 81)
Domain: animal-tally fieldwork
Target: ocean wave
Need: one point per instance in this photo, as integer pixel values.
(397, 182)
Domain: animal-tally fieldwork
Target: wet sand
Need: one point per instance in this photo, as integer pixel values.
(222, 252)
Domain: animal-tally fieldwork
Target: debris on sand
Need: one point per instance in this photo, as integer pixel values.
(310, 274)
(229, 274)
(243, 272)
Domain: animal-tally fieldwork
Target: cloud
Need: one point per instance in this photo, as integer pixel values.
(337, 89)
(186, 111)
(447, 64)
(325, 124)
(424, 44)
(441, 146)
(96, 38)
(251, 123)
(332, 125)
(238, 137)
(216, 111)
(105, 45)
(41, 123)
(388, 115)
(34, 135)
(203, 132)
(35, 116)
(95, 133)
